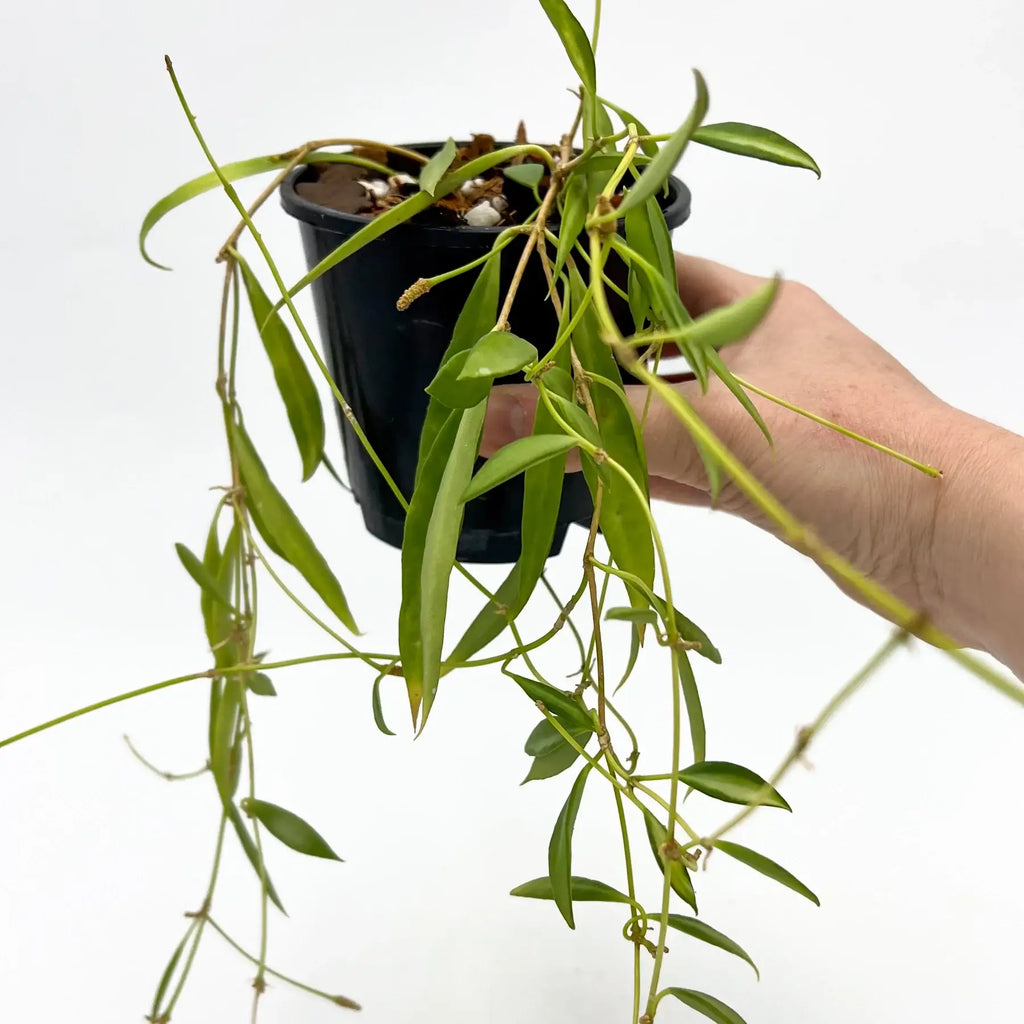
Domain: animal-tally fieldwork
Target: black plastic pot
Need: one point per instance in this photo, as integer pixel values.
(382, 359)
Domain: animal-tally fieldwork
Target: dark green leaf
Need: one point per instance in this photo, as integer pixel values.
(432, 172)
(760, 143)
(294, 383)
(635, 615)
(558, 703)
(378, 711)
(515, 458)
(498, 354)
(576, 419)
(560, 381)
(560, 849)
(679, 876)
(711, 1007)
(546, 739)
(689, 631)
(547, 766)
(584, 890)
(440, 543)
(694, 709)
(165, 978)
(225, 755)
(699, 930)
(767, 867)
(528, 175)
(634, 653)
(253, 853)
(574, 216)
(732, 783)
(659, 169)
(289, 828)
(478, 316)
(574, 40)
(281, 529)
(641, 240)
(455, 392)
(211, 587)
(260, 684)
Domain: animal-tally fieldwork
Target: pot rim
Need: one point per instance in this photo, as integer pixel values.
(676, 210)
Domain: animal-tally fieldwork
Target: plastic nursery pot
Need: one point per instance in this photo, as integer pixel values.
(383, 359)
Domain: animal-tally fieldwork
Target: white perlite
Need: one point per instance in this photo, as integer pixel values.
(483, 215)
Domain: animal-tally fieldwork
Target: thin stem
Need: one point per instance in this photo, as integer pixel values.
(596, 34)
(565, 617)
(169, 776)
(337, 1000)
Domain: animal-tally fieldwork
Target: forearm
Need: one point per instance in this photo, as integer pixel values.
(978, 547)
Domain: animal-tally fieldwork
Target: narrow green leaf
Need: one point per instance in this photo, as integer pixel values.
(280, 528)
(434, 169)
(515, 458)
(759, 143)
(732, 783)
(649, 147)
(211, 587)
(378, 711)
(528, 175)
(712, 1008)
(547, 766)
(640, 239)
(695, 927)
(679, 876)
(725, 375)
(576, 418)
(253, 853)
(767, 867)
(670, 153)
(574, 216)
(545, 739)
(560, 849)
(294, 383)
(439, 546)
(694, 709)
(417, 519)
(690, 631)
(646, 616)
(558, 703)
(225, 755)
(498, 354)
(574, 40)
(729, 324)
(634, 653)
(478, 316)
(455, 392)
(165, 978)
(584, 890)
(260, 684)
(289, 828)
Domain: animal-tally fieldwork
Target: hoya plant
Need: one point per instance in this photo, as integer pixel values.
(573, 292)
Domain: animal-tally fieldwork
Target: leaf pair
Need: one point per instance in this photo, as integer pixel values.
(551, 754)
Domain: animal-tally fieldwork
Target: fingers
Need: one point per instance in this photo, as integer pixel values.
(705, 285)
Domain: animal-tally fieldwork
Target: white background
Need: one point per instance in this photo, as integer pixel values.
(910, 826)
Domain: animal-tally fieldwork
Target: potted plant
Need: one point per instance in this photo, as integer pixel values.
(462, 267)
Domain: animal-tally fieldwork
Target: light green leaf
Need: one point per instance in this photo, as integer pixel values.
(294, 383)
(694, 709)
(679, 876)
(560, 849)
(253, 853)
(289, 828)
(729, 324)
(695, 927)
(659, 169)
(558, 703)
(454, 391)
(378, 711)
(165, 978)
(647, 616)
(528, 175)
(498, 354)
(574, 40)
(584, 890)
(515, 458)
(574, 216)
(712, 1008)
(281, 529)
(260, 684)
(233, 172)
(649, 147)
(210, 586)
(732, 783)
(440, 544)
(760, 143)
(576, 418)
(767, 867)
(432, 172)
(225, 753)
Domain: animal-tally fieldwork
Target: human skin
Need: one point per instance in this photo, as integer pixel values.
(951, 548)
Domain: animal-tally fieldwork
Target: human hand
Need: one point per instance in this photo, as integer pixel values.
(911, 533)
